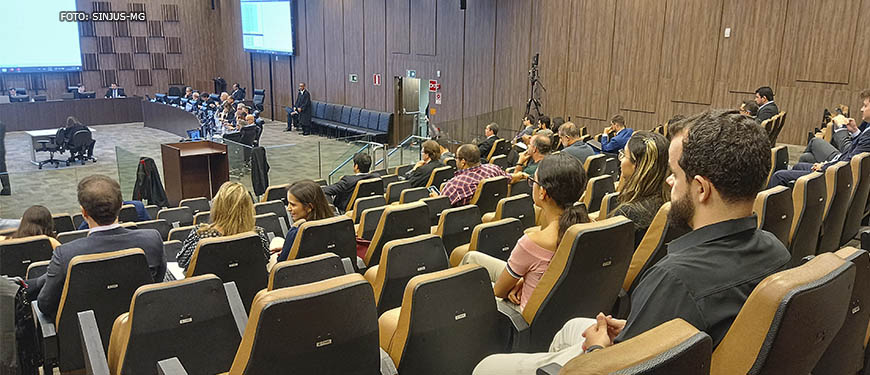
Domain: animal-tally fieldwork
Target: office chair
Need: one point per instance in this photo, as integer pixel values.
(52, 145)
(81, 147)
(259, 98)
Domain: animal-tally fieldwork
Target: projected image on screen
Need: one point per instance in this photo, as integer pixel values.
(267, 26)
(35, 40)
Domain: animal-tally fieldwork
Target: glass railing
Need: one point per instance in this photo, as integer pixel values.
(336, 155)
(56, 191)
(127, 163)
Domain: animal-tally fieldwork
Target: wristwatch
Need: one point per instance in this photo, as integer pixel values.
(593, 348)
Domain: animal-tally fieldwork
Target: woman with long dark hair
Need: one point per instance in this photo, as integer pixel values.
(643, 188)
(36, 221)
(557, 185)
(306, 201)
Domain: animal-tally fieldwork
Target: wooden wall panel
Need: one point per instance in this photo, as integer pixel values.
(449, 46)
(479, 64)
(299, 62)
(375, 54)
(749, 59)
(354, 50)
(637, 51)
(334, 38)
(551, 20)
(314, 13)
(820, 46)
(589, 59)
(690, 49)
(399, 26)
(423, 27)
(512, 60)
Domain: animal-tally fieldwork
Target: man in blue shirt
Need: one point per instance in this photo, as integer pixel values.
(615, 136)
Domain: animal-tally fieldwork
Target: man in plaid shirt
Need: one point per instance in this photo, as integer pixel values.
(460, 189)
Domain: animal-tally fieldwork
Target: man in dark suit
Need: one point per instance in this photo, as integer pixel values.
(238, 93)
(4, 176)
(343, 189)
(115, 92)
(419, 175)
(302, 111)
(766, 107)
(491, 133)
(860, 144)
(100, 199)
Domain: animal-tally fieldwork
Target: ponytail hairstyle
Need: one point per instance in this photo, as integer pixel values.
(648, 151)
(564, 179)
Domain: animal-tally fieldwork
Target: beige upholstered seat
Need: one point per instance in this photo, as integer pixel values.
(838, 181)
(17, 254)
(860, 165)
(489, 192)
(276, 193)
(365, 188)
(333, 235)
(496, 238)
(456, 225)
(775, 210)
(237, 258)
(808, 200)
(517, 206)
(400, 261)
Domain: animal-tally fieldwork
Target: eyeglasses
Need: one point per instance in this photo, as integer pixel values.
(532, 182)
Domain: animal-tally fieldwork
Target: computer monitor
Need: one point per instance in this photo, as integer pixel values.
(160, 98)
(194, 134)
(87, 95)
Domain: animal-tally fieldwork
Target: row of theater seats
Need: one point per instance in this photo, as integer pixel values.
(343, 121)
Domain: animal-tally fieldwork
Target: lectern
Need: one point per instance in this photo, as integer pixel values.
(194, 169)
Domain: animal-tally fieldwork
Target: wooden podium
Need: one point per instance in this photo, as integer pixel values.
(194, 169)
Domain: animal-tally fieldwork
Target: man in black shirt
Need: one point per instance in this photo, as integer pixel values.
(343, 189)
(709, 272)
(419, 175)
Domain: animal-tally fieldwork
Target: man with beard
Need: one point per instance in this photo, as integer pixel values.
(719, 162)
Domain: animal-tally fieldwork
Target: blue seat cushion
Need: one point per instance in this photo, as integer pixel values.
(384, 122)
(320, 110)
(373, 121)
(354, 116)
(345, 114)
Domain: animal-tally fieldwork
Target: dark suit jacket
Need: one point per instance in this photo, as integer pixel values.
(486, 146)
(71, 131)
(115, 239)
(860, 144)
(303, 103)
(420, 176)
(120, 93)
(239, 95)
(343, 189)
(767, 112)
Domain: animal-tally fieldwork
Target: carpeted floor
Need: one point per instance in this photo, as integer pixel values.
(290, 155)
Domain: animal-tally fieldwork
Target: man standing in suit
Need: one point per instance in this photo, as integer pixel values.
(766, 107)
(860, 143)
(238, 93)
(100, 199)
(491, 133)
(4, 176)
(343, 189)
(302, 111)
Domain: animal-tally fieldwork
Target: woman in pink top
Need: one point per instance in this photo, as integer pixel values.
(557, 185)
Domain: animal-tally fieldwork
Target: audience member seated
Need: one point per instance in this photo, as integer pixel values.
(445, 152)
(100, 199)
(766, 107)
(529, 127)
(232, 212)
(749, 108)
(305, 201)
(642, 186)
(569, 133)
(819, 151)
(491, 132)
(224, 96)
(555, 190)
(238, 93)
(250, 119)
(539, 147)
(12, 92)
(342, 190)
(615, 136)
(543, 127)
(188, 93)
(419, 175)
(115, 92)
(709, 272)
(35, 221)
(460, 189)
(141, 213)
(859, 144)
(72, 126)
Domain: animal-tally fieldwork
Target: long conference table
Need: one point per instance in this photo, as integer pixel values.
(52, 114)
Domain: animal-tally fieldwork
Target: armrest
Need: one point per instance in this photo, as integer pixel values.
(623, 305)
(92, 345)
(237, 307)
(865, 239)
(387, 365)
(171, 366)
(348, 266)
(551, 369)
(46, 327)
(519, 328)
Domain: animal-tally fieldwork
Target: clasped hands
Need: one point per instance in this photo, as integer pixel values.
(602, 333)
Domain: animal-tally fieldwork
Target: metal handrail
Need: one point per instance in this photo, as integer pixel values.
(401, 144)
(366, 145)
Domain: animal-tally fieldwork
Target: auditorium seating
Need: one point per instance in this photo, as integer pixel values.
(389, 179)
(778, 160)
(413, 195)
(489, 192)
(78, 219)
(237, 258)
(198, 205)
(838, 182)
(36, 269)
(596, 189)
(171, 250)
(109, 295)
(860, 165)
(365, 203)
(520, 207)
(673, 347)
(394, 190)
(128, 214)
(73, 235)
(397, 222)
(808, 201)
(584, 278)
(62, 223)
(306, 271)
(333, 235)
(519, 187)
(151, 209)
(611, 167)
(159, 225)
(499, 160)
(446, 324)
(845, 354)
(16, 255)
(403, 169)
(202, 218)
(368, 223)
(271, 225)
(180, 233)
(342, 121)
(440, 175)
(277, 207)
(496, 238)
(365, 188)
(456, 225)
(276, 193)
(652, 247)
(608, 203)
(177, 216)
(789, 320)
(775, 211)
(401, 260)
(499, 147)
(436, 205)
(595, 165)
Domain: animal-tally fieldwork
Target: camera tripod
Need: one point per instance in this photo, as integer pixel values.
(535, 82)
